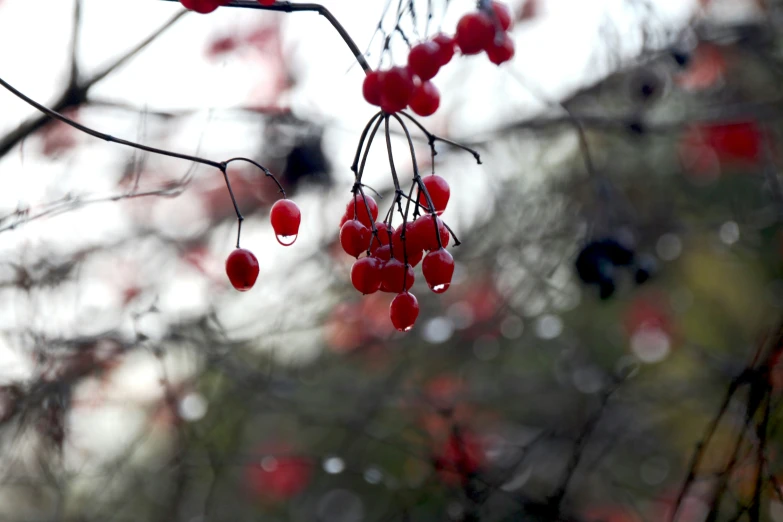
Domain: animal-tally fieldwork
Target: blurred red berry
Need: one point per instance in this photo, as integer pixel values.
(372, 87)
(266, 2)
(396, 89)
(242, 269)
(445, 48)
(366, 275)
(439, 191)
(438, 268)
(425, 99)
(475, 32)
(355, 238)
(202, 6)
(285, 217)
(403, 311)
(501, 52)
(424, 60)
(279, 477)
(502, 14)
(462, 455)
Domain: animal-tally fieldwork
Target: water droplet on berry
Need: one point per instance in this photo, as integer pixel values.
(286, 240)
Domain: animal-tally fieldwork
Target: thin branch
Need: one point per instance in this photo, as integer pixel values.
(288, 7)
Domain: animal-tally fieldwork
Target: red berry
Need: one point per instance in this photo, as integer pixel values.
(502, 14)
(371, 88)
(383, 237)
(475, 32)
(410, 247)
(202, 6)
(383, 253)
(403, 311)
(366, 275)
(285, 217)
(423, 233)
(438, 268)
(356, 209)
(445, 48)
(502, 52)
(242, 269)
(424, 60)
(277, 476)
(439, 191)
(266, 2)
(355, 238)
(425, 99)
(394, 275)
(396, 89)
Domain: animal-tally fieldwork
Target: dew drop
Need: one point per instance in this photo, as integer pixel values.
(439, 289)
(282, 239)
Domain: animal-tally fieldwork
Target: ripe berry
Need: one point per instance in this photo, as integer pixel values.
(383, 253)
(439, 191)
(394, 275)
(371, 88)
(355, 238)
(242, 269)
(425, 99)
(501, 52)
(403, 311)
(346, 217)
(356, 209)
(424, 60)
(423, 233)
(285, 217)
(445, 48)
(410, 247)
(438, 268)
(202, 6)
(383, 238)
(502, 14)
(366, 275)
(266, 2)
(396, 89)
(475, 32)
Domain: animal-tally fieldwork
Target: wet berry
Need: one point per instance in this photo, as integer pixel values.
(438, 268)
(355, 238)
(357, 209)
(394, 275)
(285, 217)
(403, 311)
(366, 275)
(439, 191)
(242, 269)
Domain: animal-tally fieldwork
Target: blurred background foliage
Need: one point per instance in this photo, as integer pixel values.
(138, 385)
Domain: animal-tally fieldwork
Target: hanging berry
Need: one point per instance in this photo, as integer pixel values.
(285, 217)
(403, 311)
(366, 275)
(242, 269)
(438, 268)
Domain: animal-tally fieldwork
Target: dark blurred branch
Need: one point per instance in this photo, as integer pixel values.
(76, 93)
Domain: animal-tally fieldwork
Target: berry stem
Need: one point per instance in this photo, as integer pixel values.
(240, 219)
(391, 157)
(355, 164)
(264, 169)
(288, 7)
(433, 138)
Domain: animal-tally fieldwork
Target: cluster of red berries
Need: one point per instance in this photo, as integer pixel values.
(207, 6)
(242, 264)
(399, 87)
(391, 254)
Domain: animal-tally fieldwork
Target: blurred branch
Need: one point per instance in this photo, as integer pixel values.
(288, 7)
(76, 93)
